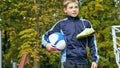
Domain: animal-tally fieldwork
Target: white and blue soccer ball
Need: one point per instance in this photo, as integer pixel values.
(58, 40)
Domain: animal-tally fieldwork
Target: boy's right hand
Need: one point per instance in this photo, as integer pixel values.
(50, 48)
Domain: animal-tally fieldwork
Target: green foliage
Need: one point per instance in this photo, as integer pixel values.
(29, 43)
(102, 16)
(24, 21)
(107, 55)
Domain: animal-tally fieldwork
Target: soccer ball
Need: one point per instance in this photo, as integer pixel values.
(58, 40)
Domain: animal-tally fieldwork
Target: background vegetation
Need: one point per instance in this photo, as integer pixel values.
(24, 21)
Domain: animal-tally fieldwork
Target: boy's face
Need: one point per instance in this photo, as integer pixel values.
(72, 9)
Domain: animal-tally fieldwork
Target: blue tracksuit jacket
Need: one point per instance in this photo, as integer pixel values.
(75, 51)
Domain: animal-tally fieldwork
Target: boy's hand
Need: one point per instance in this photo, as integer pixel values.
(94, 65)
(50, 48)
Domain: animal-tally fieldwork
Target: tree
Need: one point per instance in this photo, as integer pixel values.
(24, 36)
(24, 22)
(102, 15)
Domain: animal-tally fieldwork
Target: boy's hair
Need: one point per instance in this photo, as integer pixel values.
(66, 2)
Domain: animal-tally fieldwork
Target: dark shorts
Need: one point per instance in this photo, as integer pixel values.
(70, 65)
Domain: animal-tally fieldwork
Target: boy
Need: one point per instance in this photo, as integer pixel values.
(74, 55)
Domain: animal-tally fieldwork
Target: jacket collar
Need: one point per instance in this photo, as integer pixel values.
(73, 18)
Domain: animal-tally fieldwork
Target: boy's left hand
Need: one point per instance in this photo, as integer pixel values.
(94, 65)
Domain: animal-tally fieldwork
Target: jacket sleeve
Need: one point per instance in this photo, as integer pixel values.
(55, 28)
(93, 48)
(92, 45)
